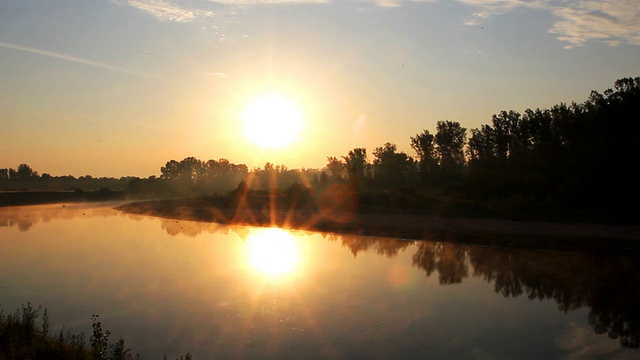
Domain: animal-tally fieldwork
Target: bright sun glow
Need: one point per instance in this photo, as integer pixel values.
(272, 251)
(272, 121)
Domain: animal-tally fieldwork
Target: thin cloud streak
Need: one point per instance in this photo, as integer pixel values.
(613, 22)
(70, 58)
(166, 10)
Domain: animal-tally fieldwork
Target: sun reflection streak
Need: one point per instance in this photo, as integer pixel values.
(278, 257)
(272, 252)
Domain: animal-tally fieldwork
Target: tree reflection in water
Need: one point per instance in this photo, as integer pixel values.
(608, 285)
(449, 260)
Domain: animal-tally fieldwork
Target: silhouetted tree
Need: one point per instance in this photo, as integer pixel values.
(170, 170)
(424, 146)
(25, 172)
(392, 169)
(450, 140)
(356, 165)
(335, 167)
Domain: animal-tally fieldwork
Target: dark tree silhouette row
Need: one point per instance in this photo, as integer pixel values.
(25, 178)
(569, 157)
(568, 151)
(577, 157)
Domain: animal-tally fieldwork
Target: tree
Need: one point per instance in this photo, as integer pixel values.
(481, 146)
(190, 169)
(170, 170)
(335, 167)
(509, 135)
(356, 164)
(450, 140)
(25, 172)
(392, 168)
(424, 146)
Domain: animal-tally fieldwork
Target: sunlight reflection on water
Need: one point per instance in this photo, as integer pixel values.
(273, 251)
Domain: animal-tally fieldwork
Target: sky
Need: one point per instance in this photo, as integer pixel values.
(120, 87)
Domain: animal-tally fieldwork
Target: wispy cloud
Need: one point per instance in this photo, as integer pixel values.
(167, 10)
(171, 10)
(71, 58)
(613, 22)
(255, 2)
(398, 3)
(489, 8)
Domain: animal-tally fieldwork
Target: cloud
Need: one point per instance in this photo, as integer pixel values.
(398, 3)
(490, 8)
(70, 58)
(580, 342)
(167, 10)
(388, 3)
(171, 10)
(613, 22)
(258, 2)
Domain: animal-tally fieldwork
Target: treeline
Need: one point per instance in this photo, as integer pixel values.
(578, 156)
(568, 157)
(567, 151)
(194, 177)
(25, 178)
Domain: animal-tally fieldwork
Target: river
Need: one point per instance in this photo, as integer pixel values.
(216, 291)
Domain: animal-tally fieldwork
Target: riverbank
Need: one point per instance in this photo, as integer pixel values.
(567, 237)
(20, 198)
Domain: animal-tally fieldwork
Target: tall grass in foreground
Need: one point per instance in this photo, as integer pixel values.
(23, 337)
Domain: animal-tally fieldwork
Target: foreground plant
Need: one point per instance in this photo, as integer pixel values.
(22, 338)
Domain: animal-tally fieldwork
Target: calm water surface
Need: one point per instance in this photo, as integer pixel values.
(172, 287)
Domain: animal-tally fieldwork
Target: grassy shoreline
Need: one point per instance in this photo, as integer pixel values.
(570, 237)
(26, 334)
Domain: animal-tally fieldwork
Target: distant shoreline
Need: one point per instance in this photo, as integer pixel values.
(20, 198)
(540, 235)
(605, 239)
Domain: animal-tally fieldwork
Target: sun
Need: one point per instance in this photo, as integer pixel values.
(272, 121)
